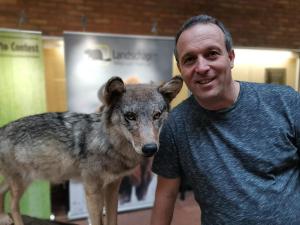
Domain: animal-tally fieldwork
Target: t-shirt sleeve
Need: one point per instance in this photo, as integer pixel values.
(166, 162)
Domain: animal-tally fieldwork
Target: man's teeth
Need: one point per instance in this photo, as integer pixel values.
(204, 81)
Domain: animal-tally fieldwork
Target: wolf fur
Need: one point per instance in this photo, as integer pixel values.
(97, 149)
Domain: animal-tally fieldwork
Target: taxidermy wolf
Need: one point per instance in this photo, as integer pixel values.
(98, 149)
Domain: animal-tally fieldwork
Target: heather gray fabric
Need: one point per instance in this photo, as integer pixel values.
(242, 162)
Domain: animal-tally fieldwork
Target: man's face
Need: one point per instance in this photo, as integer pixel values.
(204, 62)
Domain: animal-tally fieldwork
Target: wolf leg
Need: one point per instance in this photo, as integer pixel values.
(94, 200)
(17, 190)
(4, 218)
(3, 189)
(111, 202)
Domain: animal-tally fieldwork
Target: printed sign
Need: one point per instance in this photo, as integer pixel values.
(22, 93)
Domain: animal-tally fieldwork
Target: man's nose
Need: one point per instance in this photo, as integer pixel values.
(202, 65)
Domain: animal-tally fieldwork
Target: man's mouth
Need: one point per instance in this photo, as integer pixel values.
(204, 81)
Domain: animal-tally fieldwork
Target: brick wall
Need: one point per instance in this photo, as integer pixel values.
(255, 23)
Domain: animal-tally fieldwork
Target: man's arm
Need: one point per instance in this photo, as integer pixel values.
(165, 197)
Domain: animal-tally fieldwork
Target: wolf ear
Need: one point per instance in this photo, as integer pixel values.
(112, 90)
(171, 88)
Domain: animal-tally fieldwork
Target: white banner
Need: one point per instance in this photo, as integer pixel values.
(91, 59)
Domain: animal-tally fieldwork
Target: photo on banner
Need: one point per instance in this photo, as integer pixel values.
(91, 59)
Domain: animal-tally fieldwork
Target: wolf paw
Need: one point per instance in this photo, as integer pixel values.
(5, 219)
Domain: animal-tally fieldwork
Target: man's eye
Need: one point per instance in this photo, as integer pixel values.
(130, 116)
(212, 54)
(188, 60)
(156, 115)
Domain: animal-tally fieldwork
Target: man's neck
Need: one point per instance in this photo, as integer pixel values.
(225, 101)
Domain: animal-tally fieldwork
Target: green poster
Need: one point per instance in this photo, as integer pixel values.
(22, 93)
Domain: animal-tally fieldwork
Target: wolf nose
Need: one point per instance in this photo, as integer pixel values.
(149, 149)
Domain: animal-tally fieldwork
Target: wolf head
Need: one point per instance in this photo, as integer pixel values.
(137, 111)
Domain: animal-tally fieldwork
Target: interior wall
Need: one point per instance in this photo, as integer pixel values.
(55, 78)
(251, 65)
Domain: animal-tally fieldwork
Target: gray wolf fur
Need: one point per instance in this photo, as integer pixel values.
(98, 148)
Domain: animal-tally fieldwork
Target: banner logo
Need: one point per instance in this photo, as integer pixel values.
(102, 53)
(105, 53)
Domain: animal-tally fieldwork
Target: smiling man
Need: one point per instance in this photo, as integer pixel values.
(237, 143)
(205, 65)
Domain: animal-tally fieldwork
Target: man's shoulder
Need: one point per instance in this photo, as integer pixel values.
(183, 107)
(179, 112)
(271, 95)
(269, 89)
(265, 86)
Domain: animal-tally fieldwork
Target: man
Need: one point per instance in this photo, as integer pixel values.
(237, 143)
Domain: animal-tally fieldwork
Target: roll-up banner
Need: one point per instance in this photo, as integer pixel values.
(91, 59)
(22, 93)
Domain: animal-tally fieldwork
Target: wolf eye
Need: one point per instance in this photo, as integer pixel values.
(130, 116)
(156, 115)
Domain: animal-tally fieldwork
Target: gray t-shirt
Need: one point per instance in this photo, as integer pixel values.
(242, 162)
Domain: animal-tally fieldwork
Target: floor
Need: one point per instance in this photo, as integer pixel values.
(186, 212)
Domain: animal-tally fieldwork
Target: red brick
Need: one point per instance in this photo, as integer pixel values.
(272, 23)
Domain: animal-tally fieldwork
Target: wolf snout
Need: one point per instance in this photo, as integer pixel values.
(149, 149)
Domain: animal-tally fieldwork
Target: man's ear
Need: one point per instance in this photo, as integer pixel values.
(112, 90)
(231, 56)
(171, 88)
